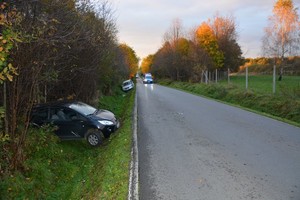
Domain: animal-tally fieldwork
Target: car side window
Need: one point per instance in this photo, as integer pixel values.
(64, 114)
(72, 115)
(40, 116)
(58, 114)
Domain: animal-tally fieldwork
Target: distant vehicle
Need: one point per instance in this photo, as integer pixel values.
(76, 120)
(127, 85)
(148, 79)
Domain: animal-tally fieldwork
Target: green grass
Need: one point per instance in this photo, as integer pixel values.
(72, 169)
(284, 107)
(290, 85)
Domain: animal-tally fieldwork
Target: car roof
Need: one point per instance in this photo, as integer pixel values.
(55, 104)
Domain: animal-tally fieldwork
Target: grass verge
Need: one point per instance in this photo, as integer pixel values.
(277, 106)
(72, 169)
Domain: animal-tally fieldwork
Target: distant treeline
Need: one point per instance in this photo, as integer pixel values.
(263, 65)
(211, 46)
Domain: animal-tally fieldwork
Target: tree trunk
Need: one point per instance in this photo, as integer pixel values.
(5, 108)
(281, 67)
(280, 74)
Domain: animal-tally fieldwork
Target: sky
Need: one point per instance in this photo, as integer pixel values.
(143, 23)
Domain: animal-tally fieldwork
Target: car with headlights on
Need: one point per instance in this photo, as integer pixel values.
(148, 79)
(76, 120)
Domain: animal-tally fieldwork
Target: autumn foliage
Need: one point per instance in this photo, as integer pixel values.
(212, 45)
(208, 41)
(282, 35)
(8, 37)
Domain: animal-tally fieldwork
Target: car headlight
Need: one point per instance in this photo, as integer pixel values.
(105, 122)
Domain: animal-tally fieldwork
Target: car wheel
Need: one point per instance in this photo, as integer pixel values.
(94, 138)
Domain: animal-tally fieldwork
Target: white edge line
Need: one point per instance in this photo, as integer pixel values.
(133, 193)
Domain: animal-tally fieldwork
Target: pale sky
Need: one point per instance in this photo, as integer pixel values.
(142, 23)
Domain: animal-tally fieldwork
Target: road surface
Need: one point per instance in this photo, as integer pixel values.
(194, 148)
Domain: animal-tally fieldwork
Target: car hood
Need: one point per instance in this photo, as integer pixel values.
(104, 114)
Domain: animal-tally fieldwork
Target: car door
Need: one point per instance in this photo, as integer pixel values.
(69, 124)
(78, 124)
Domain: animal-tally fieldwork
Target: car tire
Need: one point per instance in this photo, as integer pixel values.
(106, 135)
(94, 138)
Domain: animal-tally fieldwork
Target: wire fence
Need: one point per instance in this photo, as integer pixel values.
(262, 82)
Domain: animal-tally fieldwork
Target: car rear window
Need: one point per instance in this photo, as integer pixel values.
(41, 114)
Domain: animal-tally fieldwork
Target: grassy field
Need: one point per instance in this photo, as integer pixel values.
(290, 85)
(72, 169)
(284, 105)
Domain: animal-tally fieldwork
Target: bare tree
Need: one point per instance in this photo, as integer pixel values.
(174, 32)
(172, 36)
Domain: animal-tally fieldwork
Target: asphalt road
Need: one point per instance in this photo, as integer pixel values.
(194, 148)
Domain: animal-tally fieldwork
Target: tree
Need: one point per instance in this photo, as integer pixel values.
(8, 39)
(183, 51)
(282, 34)
(208, 41)
(67, 51)
(177, 52)
(224, 29)
(131, 59)
(174, 32)
(146, 64)
(213, 45)
(161, 62)
(172, 37)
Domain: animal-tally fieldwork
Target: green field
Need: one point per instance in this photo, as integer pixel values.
(290, 85)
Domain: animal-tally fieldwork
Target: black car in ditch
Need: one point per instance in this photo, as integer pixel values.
(75, 120)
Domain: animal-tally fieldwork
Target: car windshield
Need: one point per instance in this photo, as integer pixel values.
(126, 83)
(83, 108)
(148, 76)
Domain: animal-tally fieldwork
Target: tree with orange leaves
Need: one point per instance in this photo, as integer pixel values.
(282, 36)
(207, 40)
(131, 59)
(147, 63)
